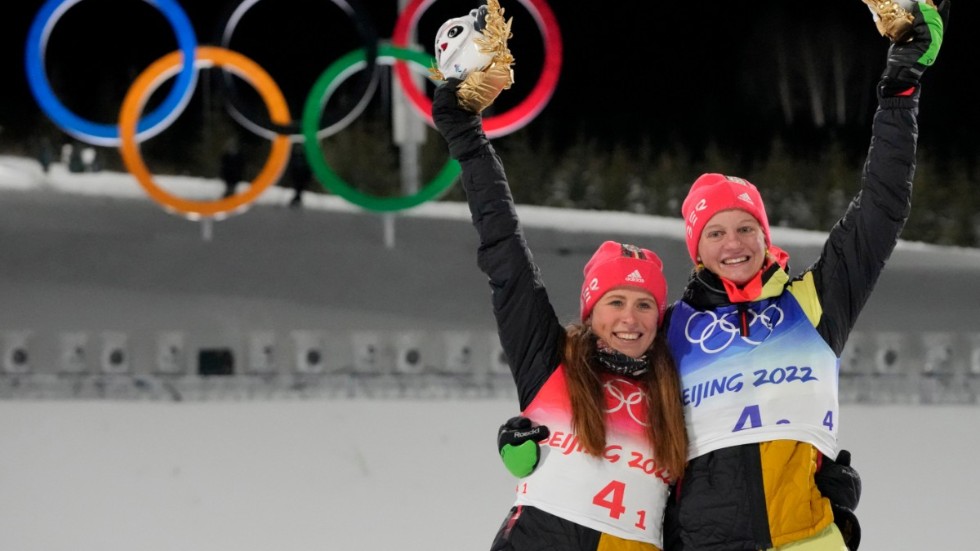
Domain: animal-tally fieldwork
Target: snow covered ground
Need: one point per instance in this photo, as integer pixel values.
(366, 475)
(90, 252)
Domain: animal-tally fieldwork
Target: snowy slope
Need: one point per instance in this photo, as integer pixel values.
(368, 475)
(91, 253)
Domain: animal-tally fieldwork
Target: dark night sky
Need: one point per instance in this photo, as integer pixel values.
(707, 68)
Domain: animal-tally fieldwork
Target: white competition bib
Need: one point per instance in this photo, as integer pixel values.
(737, 392)
(623, 493)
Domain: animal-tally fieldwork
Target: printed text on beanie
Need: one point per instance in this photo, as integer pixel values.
(712, 193)
(618, 265)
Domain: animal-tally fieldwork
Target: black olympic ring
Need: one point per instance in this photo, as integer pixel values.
(331, 122)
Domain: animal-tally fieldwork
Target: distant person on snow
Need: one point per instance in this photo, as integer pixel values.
(232, 168)
(45, 154)
(300, 176)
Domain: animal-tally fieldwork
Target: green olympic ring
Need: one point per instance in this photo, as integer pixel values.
(325, 85)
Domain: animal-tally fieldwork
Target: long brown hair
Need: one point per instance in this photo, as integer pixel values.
(661, 383)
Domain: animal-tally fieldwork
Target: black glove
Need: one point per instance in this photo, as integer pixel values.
(517, 442)
(461, 128)
(841, 484)
(909, 59)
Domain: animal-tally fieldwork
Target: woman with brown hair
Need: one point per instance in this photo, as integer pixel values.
(606, 385)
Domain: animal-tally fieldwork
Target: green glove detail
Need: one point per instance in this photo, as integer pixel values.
(517, 441)
(521, 460)
(907, 61)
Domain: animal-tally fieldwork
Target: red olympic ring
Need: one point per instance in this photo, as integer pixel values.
(515, 118)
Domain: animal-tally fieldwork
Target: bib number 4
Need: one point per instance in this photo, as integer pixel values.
(611, 497)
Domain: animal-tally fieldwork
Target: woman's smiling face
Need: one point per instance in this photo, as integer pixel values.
(625, 318)
(733, 246)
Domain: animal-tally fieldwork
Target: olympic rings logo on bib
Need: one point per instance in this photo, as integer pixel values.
(310, 127)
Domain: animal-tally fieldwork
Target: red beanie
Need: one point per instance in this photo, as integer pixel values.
(618, 265)
(713, 193)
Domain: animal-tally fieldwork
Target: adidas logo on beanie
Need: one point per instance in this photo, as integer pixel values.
(622, 265)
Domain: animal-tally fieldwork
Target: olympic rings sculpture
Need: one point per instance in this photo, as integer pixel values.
(183, 64)
(369, 81)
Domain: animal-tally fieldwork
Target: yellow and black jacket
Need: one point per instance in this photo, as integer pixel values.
(744, 492)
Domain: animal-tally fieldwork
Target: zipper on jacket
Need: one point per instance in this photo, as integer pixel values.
(743, 318)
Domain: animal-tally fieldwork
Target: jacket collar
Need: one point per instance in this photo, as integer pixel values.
(705, 289)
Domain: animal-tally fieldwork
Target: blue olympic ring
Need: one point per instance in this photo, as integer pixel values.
(108, 134)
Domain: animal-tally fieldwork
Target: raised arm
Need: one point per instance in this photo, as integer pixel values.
(529, 330)
(863, 239)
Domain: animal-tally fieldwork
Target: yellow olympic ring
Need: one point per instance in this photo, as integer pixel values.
(204, 57)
